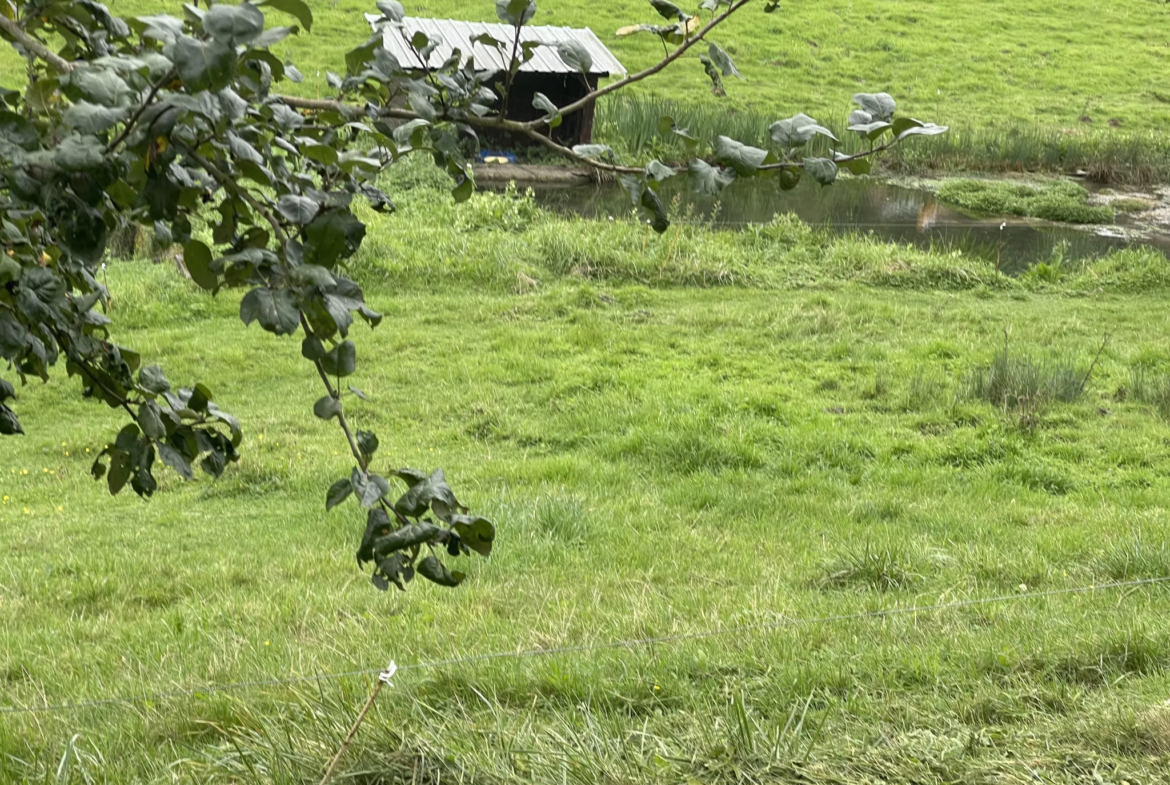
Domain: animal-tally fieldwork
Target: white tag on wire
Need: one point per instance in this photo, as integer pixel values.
(388, 674)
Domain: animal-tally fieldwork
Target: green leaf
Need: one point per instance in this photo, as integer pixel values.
(789, 178)
(150, 420)
(341, 360)
(668, 10)
(233, 25)
(312, 349)
(880, 106)
(10, 270)
(333, 235)
(312, 275)
(709, 180)
(477, 533)
(822, 170)
(100, 85)
(392, 10)
(327, 408)
(77, 153)
(299, 210)
(19, 131)
(722, 61)
(433, 570)
(574, 54)
(926, 129)
(296, 8)
(797, 131)
(176, 460)
(596, 151)
(431, 492)
(745, 160)
(412, 134)
(868, 129)
(87, 118)
(368, 489)
(6, 391)
(337, 493)
(275, 309)
(659, 221)
(204, 66)
(151, 379)
(634, 185)
(377, 525)
(902, 123)
(552, 113)
(515, 12)
(367, 442)
(659, 171)
(161, 28)
(396, 570)
(197, 260)
(9, 425)
(666, 126)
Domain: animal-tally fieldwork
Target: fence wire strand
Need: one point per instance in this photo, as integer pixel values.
(583, 647)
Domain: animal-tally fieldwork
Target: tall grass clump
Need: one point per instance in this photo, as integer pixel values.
(880, 569)
(1061, 201)
(1018, 381)
(1151, 388)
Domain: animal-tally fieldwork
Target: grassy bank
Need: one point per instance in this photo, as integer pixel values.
(673, 434)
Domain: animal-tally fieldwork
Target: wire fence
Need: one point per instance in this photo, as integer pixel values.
(631, 643)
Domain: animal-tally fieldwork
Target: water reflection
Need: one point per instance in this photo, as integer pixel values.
(896, 213)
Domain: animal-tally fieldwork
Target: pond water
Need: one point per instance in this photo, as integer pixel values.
(891, 212)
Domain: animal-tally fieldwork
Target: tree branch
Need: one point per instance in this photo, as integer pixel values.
(138, 112)
(13, 31)
(232, 187)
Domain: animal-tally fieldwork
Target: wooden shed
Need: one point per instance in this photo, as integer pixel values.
(544, 73)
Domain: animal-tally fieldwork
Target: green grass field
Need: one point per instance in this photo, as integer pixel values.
(673, 434)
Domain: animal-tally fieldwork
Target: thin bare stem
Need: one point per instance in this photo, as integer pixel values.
(581, 103)
(353, 731)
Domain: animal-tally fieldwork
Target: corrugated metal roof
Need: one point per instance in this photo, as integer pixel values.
(456, 34)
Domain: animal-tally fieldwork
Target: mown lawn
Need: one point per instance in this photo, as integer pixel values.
(673, 435)
(971, 65)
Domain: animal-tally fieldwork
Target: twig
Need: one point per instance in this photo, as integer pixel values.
(383, 680)
(1093, 365)
(138, 113)
(362, 463)
(670, 58)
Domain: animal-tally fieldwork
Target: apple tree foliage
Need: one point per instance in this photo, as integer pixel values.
(182, 124)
